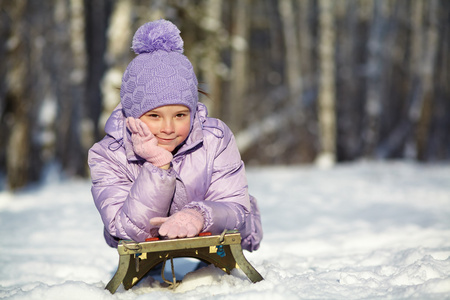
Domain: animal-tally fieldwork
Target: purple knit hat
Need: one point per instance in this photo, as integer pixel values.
(160, 74)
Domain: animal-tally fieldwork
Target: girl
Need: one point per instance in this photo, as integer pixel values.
(165, 168)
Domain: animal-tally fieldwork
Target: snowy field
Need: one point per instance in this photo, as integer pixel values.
(368, 230)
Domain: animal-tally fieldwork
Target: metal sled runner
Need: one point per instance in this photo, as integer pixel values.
(137, 259)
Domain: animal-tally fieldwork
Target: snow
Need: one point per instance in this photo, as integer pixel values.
(366, 230)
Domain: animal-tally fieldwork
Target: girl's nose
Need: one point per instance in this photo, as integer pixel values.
(168, 126)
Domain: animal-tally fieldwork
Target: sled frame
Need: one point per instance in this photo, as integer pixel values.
(137, 259)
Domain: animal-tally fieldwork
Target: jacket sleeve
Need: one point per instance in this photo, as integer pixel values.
(226, 204)
(128, 197)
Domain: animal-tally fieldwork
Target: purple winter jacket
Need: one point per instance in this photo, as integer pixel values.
(207, 174)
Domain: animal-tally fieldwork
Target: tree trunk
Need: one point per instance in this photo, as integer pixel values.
(96, 24)
(306, 44)
(118, 54)
(425, 97)
(375, 67)
(82, 128)
(17, 94)
(211, 64)
(327, 117)
(292, 65)
(239, 57)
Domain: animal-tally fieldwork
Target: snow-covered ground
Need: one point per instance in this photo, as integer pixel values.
(367, 230)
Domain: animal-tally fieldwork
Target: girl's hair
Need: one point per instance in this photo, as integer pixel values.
(203, 92)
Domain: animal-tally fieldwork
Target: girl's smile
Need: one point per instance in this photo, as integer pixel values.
(170, 124)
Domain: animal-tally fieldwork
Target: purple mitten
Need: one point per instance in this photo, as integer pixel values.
(185, 223)
(145, 143)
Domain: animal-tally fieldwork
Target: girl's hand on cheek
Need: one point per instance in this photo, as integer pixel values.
(145, 144)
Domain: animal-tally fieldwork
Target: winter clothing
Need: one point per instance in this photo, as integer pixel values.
(160, 74)
(145, 143)
(185, 223)
(205, 189)
(207, 175)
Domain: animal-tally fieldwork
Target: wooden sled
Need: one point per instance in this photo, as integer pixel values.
(137, 259)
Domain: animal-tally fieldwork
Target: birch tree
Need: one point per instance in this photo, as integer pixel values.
(211, 65)
(117, 55)
(81, 128)
(239, 69)
(327, 117)
(97, 15)
(421, 109)
(293, 72)
(18, 146)
(305, 44)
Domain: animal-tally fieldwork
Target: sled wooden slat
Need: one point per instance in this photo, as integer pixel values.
(137, 259)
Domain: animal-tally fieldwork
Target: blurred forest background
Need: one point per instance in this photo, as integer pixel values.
(298, 81)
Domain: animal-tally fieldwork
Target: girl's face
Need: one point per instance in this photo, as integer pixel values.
(170, 124)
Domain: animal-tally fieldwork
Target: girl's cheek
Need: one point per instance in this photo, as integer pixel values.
(153, 128)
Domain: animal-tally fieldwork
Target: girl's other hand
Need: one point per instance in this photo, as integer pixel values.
(185, 223)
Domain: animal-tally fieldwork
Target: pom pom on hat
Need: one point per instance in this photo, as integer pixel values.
(157, 35)
(160, 74)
